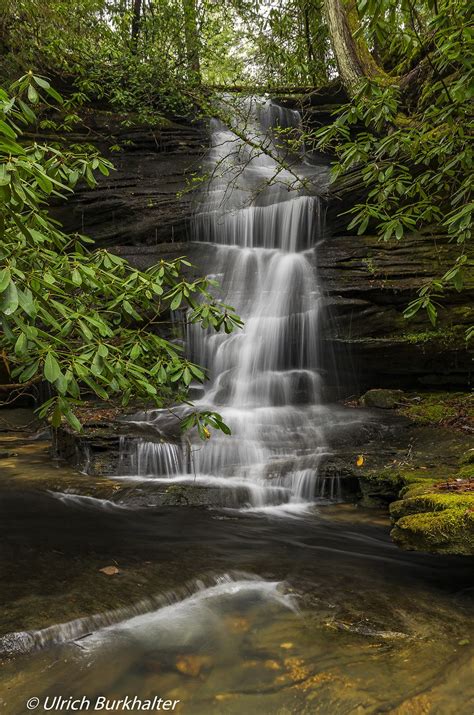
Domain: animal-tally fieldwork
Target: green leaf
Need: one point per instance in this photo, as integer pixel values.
(28, 113)
(9, 299)
(73, 421)
(61, 384)
(7, 130)
(76, 277)
(458, 281)
(432, 313)
(176, 302)
(85, 330)
(27, 303)
(28, 372)
(44, 182)
(363, 226)
(5, 277)
(100, 391)
(11, 147)
(51, 368)
(41, 82)
(21, 344)
(130, 310)
(33, 95)
(223, 427)
(135, 351)
(55, 95)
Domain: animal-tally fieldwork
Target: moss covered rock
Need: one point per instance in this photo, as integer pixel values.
(382, 399)
(446, 531)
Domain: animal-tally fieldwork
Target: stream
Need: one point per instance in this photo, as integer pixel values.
(287, 600)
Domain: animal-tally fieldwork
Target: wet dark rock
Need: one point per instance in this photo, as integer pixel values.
(418, 469)
(141, 201)
(368, 285)
(146, 494)
(94, 452)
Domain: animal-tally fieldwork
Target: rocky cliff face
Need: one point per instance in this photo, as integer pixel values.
(140, 203)
(140, 212)
(369, 284)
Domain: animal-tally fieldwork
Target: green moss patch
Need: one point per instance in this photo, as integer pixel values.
(454, 409)
(434, 521)
(450, 530)
(430, 503)
(443, 337)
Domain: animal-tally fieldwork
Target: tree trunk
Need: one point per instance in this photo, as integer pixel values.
(309, 43)
(136, 15)
(352, 54)
(191, 34)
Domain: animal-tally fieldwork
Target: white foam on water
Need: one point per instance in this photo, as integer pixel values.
(87, 501)
(172, 609)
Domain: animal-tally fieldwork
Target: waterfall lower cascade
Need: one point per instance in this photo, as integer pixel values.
(263, 224)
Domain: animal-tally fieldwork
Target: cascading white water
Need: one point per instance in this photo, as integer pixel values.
(262, 221)
(264, 379)
(149, 458)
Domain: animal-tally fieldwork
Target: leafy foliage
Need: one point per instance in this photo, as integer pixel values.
(83, 320)
(413, 149)
(142, 63)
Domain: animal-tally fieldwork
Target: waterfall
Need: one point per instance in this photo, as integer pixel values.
(263, 223)
(150, 458)
(264, 380)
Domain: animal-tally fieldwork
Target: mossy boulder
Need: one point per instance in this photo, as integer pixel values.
(446, 531)
(436, 521)
(382, 399)
(432, 502)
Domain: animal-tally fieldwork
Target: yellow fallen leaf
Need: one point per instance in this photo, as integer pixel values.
(360, 460)
(287, 646)
(109, 570)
